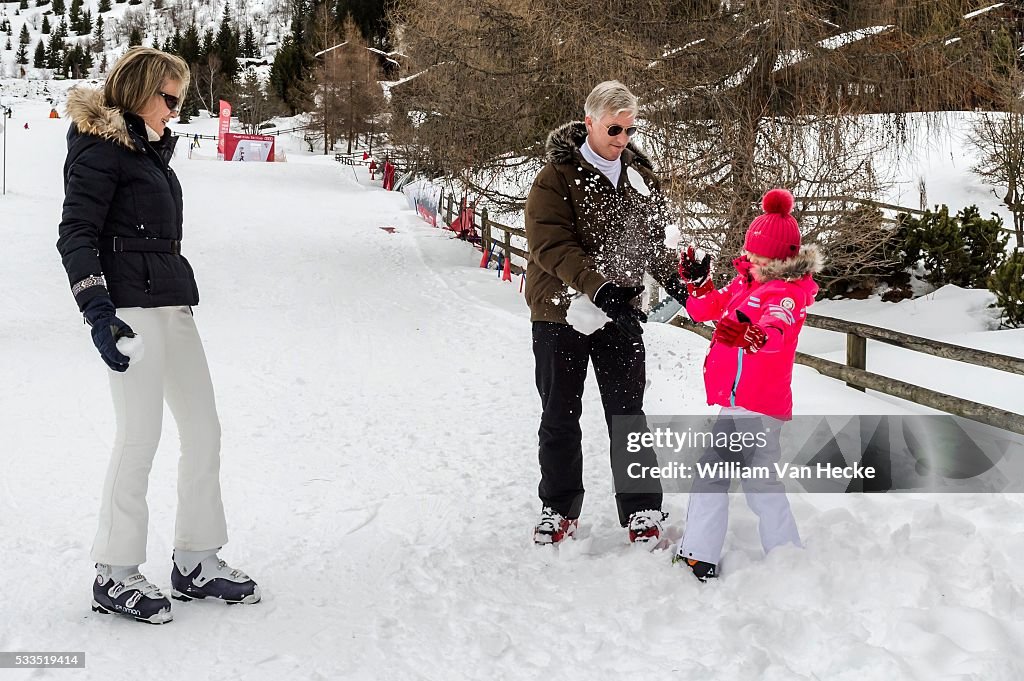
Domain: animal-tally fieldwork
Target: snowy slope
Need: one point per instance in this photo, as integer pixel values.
(376, 393)
(269, 19)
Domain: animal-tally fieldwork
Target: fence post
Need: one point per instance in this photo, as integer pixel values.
(485, 231)
(856, 355)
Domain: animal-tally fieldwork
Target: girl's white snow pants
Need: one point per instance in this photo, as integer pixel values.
(173, 369)
(707, 516)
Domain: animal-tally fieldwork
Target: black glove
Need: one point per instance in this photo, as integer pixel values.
(677, 289)
(691, 270)
(616, 302)
(106, 330)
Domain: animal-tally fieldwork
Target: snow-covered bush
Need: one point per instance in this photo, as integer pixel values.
(1007, 282)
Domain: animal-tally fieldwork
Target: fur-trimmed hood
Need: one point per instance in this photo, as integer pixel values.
(92, 116)
(564, 142)
(808, 260)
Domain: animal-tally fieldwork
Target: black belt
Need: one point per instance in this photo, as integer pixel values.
(118, 244)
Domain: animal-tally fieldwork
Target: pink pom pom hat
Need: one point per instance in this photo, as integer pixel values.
(775, 234)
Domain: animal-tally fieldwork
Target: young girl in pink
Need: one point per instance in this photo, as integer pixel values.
(748, 371)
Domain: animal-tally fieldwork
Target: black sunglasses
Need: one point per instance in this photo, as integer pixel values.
(171, 101)
(614, 130)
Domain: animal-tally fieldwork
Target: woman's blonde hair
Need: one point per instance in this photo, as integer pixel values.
(140, 74)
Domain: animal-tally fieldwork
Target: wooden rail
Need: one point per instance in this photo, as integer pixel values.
(854, 372)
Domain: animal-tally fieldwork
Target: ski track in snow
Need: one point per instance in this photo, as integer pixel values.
(379, 472)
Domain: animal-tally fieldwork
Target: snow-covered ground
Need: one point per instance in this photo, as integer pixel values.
(379, 416)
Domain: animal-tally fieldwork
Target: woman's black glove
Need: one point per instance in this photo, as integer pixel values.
(106, 330)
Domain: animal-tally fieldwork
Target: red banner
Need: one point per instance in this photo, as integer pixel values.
(225, 124)
(248, 148)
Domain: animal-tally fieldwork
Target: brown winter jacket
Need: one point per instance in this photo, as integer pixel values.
(582, 231)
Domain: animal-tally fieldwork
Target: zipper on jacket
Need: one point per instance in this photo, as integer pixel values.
(736, 382)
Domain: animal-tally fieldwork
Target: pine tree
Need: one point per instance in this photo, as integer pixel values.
(249, 47)
(39, 59)
(104, 6)
(58, 7)
(8, 47)
(22, 55)
(23, 5)
(85, 25)
(62, 28)
(46, 25)
(226, 46)
(54, 47)
(103, 63)
(189, 47)
(98, 41)
(75, 16)
(135, 37)
(23, 37)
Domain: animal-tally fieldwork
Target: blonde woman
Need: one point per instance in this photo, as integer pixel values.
(120, 242)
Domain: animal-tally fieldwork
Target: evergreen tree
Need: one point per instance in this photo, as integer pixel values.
(46, 25)
(369, 16)
(62, 28)
(22, 56)
(103, 63)
(75, 16)
(104, 6)
(85, 25)
(42, 3)
(208, 44)
(54, 47)
(249, 47)
(39, 59)
(287, 74)
(174, 42)
(226, 46)
(135, 37)
(189, 48)
(23, 37)
(98, 41)
(8, 47)
(24, 5)
(58, 7)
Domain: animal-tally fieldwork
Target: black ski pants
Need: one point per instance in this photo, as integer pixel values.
(562, 355)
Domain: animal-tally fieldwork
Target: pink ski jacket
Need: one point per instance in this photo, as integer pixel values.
(775, 297)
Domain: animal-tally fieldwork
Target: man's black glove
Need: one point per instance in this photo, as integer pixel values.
(617, 302)
(106, 330)
(677, 289)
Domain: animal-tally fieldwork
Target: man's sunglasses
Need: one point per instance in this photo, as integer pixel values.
(171, 101)
(614, 130)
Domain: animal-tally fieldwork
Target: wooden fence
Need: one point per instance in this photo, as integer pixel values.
(496, 238)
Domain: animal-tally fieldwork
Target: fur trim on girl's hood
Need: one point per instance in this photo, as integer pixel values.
(92, 116)
(808, 260)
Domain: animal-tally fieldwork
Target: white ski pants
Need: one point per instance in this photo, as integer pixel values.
(707, 516)
(173, 369)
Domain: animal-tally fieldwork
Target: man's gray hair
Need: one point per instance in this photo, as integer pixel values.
(610, 97)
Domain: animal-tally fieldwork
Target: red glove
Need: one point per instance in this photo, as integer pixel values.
(694, 271)
(741, 334)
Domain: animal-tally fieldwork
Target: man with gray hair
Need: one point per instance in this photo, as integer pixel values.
(595, 222)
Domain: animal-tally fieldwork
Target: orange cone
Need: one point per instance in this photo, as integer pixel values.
(506, 271)
(485, 257)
